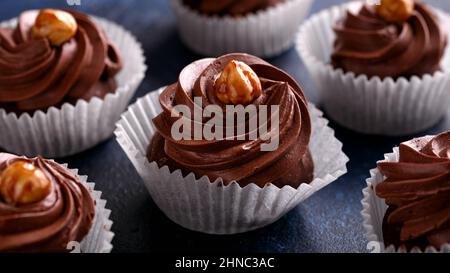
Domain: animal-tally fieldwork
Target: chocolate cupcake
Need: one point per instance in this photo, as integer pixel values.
(380, 69)
(62, 73)
(230, 7)
(220, 182)
(44, 67)
(413, 182)
(369, 44)
(237, 160)
(417, 191)
(260, 27)
(45, 207)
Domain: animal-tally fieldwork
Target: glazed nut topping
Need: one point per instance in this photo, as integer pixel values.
(395, 11)
(23, 183)
(56, 25)
(237, 84)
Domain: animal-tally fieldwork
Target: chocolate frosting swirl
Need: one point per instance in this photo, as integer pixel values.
(65, 215)
(367, 44)
(231, 7)
(417, 190)
(237, 160)
(35, 75)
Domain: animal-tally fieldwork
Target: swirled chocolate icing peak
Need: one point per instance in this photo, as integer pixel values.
(368, 45)
(237, 160)
(417, 190)
(65, 215)
(35, 75)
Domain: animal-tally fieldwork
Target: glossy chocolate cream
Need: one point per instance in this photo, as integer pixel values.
(35, 75)
(230, 7)
(237, 160)
(367, 44)
(65, 215)
(417, 191)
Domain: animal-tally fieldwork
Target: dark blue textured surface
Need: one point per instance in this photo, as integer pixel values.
(329, 221)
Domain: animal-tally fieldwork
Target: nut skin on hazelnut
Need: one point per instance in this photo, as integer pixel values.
(22, 183)
(56, 25)
(237, 84)
(395, 11)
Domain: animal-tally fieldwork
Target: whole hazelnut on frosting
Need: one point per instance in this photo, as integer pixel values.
(237, 84)
(56, 25)
(395, 11)
(23, 183)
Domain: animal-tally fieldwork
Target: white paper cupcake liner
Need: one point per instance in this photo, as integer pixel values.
(75, 128)
(374, 209)
(371, 105)
(99, 238)
(265, 33)
(211, 207)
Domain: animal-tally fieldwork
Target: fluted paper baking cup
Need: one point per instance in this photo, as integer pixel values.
(265, 33)
(371, 105)
(374, 209)
(209, 206)
(71, 129)
(99, 238)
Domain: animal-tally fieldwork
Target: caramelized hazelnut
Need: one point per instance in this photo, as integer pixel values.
(237, 84)
(56, 25)
(395, 11)
(23, 183)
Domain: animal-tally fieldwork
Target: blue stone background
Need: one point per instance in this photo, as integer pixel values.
(329, 221)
